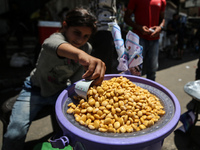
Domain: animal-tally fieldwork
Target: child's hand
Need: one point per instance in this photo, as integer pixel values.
(95, 68)
(135, 71)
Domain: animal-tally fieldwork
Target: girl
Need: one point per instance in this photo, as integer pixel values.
(62, 60)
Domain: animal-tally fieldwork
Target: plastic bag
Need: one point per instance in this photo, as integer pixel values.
(19, 60)
(193, 89)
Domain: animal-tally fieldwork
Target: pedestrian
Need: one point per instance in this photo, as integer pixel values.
(63, 58)
(197, 72)
(147, 24)
(172, 33)
(180, 39)
(102, 42)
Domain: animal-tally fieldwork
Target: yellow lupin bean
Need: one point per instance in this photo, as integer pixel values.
(107, 121)
(117, 106)
(91, 127)
(122, 129)
(70, 110)
(116, 125)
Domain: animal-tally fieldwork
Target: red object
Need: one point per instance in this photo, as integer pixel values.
(147, 13)
(46, 28)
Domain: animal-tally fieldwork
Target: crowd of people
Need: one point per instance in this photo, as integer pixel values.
(67, 56)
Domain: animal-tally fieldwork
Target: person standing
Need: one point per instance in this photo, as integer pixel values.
(148, 24)
(180, 40)
(172, 33)
(102, 42)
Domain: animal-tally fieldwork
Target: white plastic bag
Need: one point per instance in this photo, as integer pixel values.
(19, 60)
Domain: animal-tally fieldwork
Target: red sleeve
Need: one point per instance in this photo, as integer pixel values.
(131, 4)
(163, 5)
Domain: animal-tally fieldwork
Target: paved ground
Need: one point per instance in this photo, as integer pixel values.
(173, 74)
(174, 77)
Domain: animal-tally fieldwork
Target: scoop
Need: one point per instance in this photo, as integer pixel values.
(81, 88)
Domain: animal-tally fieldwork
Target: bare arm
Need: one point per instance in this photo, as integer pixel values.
(158, 28)
(127, 18)
(162, 19)
(95, 68)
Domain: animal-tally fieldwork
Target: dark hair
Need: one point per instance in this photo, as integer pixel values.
(81, 17)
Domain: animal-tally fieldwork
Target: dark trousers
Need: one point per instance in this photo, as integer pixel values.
(197, 77)
(104, 49)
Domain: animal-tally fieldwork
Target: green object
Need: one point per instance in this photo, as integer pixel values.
(47, 146)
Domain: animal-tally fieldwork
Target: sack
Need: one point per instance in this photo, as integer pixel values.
(107, 3)
(105, 10)
(19, 60)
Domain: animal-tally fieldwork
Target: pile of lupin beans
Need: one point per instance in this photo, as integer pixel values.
(117, 105)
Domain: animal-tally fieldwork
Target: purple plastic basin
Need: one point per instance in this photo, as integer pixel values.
(147, 139)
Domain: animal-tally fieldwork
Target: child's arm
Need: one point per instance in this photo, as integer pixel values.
(95, 68)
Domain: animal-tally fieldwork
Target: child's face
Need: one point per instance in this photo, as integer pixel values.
(78, 36)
